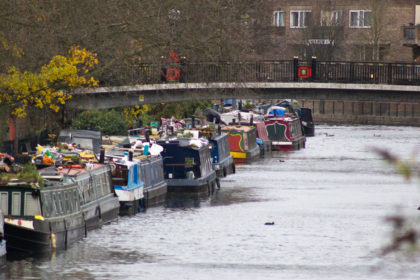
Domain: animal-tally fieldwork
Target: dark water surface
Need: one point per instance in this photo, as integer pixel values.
(328, 203)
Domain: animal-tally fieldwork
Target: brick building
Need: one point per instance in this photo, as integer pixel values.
(357, 30)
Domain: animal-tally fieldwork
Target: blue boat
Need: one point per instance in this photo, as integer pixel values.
(127, 185)
(188, 166)
(149, 173)
(222, 160)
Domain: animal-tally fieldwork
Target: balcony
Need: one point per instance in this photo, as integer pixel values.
(327, 32)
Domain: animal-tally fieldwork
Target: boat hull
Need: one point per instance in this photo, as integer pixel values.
(45, 236)
(204, 185)
(101, 211)
(288, 145)
(155, 195)
(247, 156)
(224, 167)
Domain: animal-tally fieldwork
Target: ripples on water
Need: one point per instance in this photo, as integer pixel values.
(327, 202)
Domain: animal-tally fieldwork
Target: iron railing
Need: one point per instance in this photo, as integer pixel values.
(268, 71)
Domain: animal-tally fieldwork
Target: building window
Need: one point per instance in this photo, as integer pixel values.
(300, 19)
(409, 33)
(360, 19)
(278, 18)
(332, 18)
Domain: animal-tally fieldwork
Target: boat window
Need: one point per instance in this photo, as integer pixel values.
(62, 202)
(75, 201)
(32, 207)
(56, 204)
(4, 202)
(67, 202)
(105, 183)
(48, 209)
(16, 203)
(96, 179)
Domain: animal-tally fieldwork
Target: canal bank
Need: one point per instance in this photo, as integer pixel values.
(363, 112)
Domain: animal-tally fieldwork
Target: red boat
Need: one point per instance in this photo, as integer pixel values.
(284, 129)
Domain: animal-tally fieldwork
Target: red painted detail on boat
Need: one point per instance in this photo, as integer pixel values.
(235, 143)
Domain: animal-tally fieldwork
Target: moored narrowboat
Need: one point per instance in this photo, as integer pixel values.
(40, 220)
(222, 160)
(98, 200)
(187, 165)
(127, 185)
(155, 186)
(284, 129)
(304, 114)
(150, 165)
(242, 143)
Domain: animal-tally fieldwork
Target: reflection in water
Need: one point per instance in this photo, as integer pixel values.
(184, 200)
(327, 202)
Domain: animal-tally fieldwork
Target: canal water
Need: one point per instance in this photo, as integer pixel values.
(326, 205)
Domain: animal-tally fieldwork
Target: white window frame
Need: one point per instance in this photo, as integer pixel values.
(302, 21)
(276, 18)
(360, 18)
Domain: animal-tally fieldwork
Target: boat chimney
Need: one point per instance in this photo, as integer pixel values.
(193, 122)
(219, 129)
(102, 155)
(130, 155)
(147, 134)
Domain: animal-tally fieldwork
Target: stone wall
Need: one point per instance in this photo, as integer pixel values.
(368, 112)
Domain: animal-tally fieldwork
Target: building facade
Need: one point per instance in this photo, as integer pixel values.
(345, 30)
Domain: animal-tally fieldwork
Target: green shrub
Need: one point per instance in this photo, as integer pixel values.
(109, 122)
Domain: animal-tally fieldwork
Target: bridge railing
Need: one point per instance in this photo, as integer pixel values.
(268, 71)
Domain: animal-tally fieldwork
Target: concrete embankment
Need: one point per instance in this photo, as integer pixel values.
(364, 112)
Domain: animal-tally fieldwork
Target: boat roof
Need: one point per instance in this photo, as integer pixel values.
(275, 108)
(69, 170)
(238, 128)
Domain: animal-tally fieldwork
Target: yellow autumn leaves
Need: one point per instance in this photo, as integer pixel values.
(135, 112)
(50, 87)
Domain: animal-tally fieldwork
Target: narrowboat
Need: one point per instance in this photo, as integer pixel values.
(242, 142)
(222, 160)
(98, 200)
(40, 220)
(305, 115)
(187, 165)
(155, 186)
(150, 172)
(284, 129)
(127, 184)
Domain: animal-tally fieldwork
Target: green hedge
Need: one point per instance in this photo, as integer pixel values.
(109, 122)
